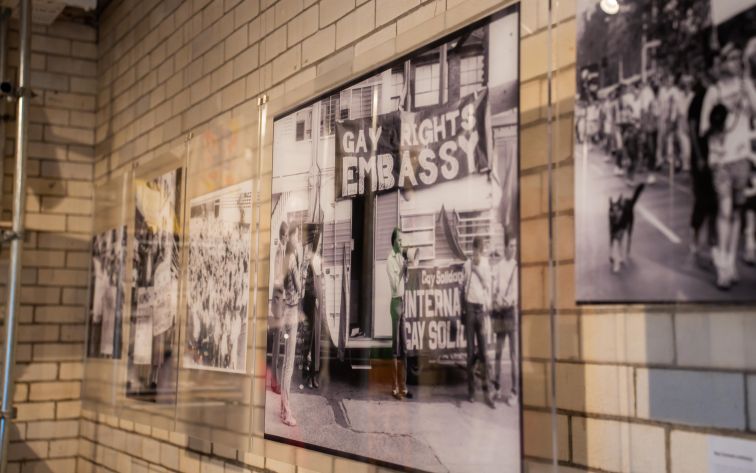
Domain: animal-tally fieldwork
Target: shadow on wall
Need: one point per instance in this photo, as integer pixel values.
(51, 324)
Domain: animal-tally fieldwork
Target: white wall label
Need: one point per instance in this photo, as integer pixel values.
(731, 455)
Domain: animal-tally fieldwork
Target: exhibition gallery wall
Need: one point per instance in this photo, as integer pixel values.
(441, 236)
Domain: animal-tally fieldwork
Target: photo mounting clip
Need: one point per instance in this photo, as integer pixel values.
(10, 235)
(11, 92)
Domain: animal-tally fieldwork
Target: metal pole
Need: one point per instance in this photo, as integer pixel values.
(4, 17)
(19, 204)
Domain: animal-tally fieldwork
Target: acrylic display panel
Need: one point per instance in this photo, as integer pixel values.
(665, 200)
(216, 305)
(148, 373)
(427, 145)
(107, 300)
(155, 286)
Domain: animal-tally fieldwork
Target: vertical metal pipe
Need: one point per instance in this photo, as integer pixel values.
(4, 18)
(19, 204)
(552, 280)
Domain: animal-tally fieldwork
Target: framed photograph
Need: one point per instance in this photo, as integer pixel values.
(394, 275)
(665, 185)
(218, 279)
(151, 374)
(106, 294)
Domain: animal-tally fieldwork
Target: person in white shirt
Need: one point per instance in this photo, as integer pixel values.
(682, 99)
(503, 316)
(649, 122)
(629, 116)
(478, 284)
(667, 114)
(396, 267)
(730, 157)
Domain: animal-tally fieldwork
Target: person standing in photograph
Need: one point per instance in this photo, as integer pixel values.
(682, 99)
(292, 298)
(649, 122)
(729, 157)
(628, 123)
(749, 60)
(666, 120)
(704, 196)
(396, 266)
(503, 316)
(478, 283)
(612, 132)
(312, 305)
(277, 304)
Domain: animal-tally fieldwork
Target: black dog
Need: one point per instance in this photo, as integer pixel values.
(621, 217)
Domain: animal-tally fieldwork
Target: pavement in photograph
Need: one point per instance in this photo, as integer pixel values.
(661, 266)
(437, 431)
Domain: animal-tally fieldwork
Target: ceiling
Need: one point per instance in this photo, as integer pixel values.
(45, 12)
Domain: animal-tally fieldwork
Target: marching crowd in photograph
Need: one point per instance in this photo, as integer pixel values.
(218, 293)
(695, 122)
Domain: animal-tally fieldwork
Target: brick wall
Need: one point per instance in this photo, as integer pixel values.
(637, 390)
(55, 257)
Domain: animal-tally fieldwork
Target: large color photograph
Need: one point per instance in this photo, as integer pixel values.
(393, 329)
(106, 294)
(218, 279)
(665, 147)
(155, 288)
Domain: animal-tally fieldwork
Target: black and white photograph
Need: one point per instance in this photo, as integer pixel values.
(106, 294)
(665, 152)
(394, 274)
(218, 278)
(155, 288)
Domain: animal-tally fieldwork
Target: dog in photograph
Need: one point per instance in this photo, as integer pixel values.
(621, 217)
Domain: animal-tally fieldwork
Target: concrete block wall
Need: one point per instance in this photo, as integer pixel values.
(638, 389)
(45, 435)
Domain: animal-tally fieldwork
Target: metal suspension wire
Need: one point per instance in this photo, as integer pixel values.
(17, 229)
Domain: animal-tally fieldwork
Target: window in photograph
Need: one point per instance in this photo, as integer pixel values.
(427, 79)
(397, 88)
(328, 112)
(470, 75)
(418, 231)
(304, 125)
(361, 101)
(471, 224)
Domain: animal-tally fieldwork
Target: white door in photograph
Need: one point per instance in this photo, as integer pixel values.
(386, 218)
